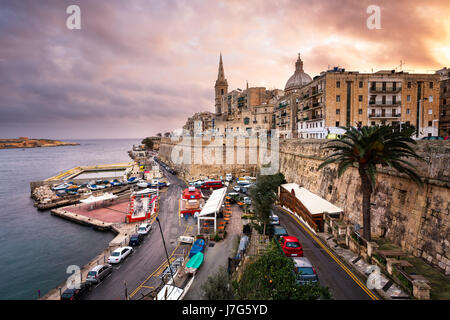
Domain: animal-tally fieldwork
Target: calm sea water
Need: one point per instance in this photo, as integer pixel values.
(35, 247)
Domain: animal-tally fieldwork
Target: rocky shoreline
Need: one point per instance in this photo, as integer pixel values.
(25, 142)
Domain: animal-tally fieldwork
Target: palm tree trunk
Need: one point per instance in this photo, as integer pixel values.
(366, 194)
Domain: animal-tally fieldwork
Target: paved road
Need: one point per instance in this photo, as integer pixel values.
(140, 270)
(330, 273)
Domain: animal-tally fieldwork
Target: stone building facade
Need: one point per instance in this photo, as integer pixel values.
(199, 122)
(444, 102)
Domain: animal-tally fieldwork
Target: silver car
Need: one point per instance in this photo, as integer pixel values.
(98, 273)
(304, 271)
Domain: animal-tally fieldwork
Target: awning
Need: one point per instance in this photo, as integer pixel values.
(214, 202)
(105, 196)
(312, 202)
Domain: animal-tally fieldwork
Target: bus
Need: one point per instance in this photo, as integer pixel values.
(215, 184)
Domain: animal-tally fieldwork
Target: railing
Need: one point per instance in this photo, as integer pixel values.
(385, 89)
(385, 115)
(385, 104)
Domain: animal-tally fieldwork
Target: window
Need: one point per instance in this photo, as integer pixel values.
(408, 98)
(394, 99)
(431, 85)
(338, 111)
(337, 123)
(409, 84)
(360, 98)
(360, 84)
(338, 84)
(383, 99)
(430, 123)
(408, 111)
(359, 111)
(444, 101)
(430, 111)
(338, 98)
(430, 98)
(373, 123)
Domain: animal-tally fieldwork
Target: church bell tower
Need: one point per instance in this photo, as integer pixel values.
(221, 88)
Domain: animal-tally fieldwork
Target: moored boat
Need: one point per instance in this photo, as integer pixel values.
(194, 263)
(197, 247)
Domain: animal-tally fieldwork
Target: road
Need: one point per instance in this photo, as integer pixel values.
(140, 271)
(343, 283)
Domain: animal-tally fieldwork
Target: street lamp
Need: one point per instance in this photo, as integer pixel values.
(165, 249)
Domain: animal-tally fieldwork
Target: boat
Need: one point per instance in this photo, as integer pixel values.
(194, 263)
(132, 180)
(100, 186)
(142, 184)
(197, 247)
(115, 183)
(92, 187)
(61, 187)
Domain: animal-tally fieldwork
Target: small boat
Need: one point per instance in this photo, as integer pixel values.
(92, 187)
(197, 247)
(100, 186)
(146, 191)
(132, 180)
(194, 263)
(61, 187)
(142, 184)
(115, 183)
(72, 187)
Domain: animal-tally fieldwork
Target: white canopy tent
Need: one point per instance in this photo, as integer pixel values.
(211, 207)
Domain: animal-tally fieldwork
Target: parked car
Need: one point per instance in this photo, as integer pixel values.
(98, 273)
(247, 200)
(76, 294)
(304, 271)
(144, 228)
(119, 254)
(279, 231)
(291, 246)
(136, 239)
(237, 188)
(274, 219)
(446, 137)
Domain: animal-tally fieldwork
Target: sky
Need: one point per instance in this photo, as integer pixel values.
(139, 67)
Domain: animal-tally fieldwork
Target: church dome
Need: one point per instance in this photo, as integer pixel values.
(299, 78)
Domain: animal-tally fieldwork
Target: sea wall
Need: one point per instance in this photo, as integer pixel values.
(415, 218)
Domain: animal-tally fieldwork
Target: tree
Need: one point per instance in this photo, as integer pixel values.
(159, 134)
(218, 286)
(367, 148)
(148, 143)
(167, 134)
(272, 277)
(264, 194)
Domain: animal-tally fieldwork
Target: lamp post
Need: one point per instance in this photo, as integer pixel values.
(165, 249)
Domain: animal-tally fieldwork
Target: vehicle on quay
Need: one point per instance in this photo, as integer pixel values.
(76, 294)
(136, 239)
(119, 254)
(142, 184)
(229, 177)
(99, 273)
(291, 246)
(304, 271)
(279, 231)
(237, 188)
(144, 229)
(232, 197)
(214, 184)
(243, 182)
(274, 219)
(247, 200)
(446, 137)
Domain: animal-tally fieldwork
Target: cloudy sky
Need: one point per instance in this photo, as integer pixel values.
(138, 67)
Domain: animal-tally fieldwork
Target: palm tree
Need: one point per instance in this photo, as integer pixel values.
(365, 148)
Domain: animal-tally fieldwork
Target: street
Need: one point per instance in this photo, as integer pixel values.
(340, 282)
(139, 273)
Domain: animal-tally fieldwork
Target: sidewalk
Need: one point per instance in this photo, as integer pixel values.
(217, 255)
(385, 287)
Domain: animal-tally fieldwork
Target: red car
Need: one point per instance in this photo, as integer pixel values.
(291, 246)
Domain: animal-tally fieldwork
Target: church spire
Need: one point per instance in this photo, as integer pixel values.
(221, 75)
(299, 64)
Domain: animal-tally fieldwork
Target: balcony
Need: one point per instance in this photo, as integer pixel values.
(386, 104)
(306, 108)
(384, 115)
(385, 89)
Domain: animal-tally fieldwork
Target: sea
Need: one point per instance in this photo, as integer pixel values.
(35, 247)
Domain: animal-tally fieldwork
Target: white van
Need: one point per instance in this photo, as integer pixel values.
(229, 177)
